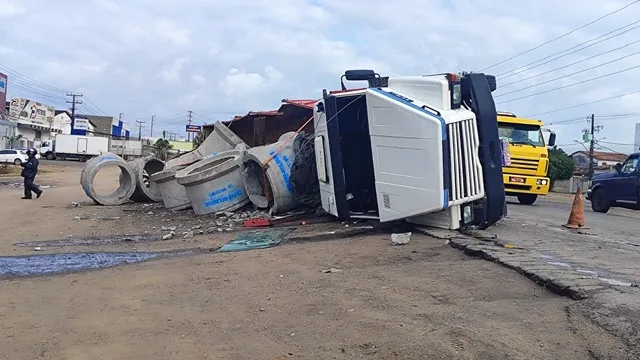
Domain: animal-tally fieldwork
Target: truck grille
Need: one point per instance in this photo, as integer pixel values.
(523, 165)
(466, 171)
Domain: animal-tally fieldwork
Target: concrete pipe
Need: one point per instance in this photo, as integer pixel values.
(273, 190)
(127, 179)
(143, 168)
(174, 195)
(221, 139)
(215, 184)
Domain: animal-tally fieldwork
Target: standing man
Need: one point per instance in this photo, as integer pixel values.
(29, 174)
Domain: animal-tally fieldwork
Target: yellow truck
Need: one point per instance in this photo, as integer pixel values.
(526, 176)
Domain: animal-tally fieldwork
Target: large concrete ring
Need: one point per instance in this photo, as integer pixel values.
(215, 183)
(174, 195)
(271, 188)
(143, 168)
(127, 179)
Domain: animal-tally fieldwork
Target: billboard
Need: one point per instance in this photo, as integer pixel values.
(3, 90)
(30, 112)
(636, 142)
(81, 123)
(194, 128)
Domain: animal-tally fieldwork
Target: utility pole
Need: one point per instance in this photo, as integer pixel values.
(189, 121)
(74, 101)
(153, 119)
(140, 123)
(592, 131)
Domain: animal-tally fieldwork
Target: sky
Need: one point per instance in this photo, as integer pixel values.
(223, 58)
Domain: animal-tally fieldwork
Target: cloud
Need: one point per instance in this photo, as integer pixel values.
(218, 58)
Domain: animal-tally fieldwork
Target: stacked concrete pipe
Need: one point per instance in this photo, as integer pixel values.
(127, 179)
(174, 195)
(221, 139)
(143, 168)
(215, 183)
(271, 187)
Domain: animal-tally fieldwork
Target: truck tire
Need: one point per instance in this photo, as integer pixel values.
(527, 199)
(50, 157)
(599, 202)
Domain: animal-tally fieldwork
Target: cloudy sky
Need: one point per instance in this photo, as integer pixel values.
(220, 58)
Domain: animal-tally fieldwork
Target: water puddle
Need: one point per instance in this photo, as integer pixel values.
(89, 241)
(49, 264)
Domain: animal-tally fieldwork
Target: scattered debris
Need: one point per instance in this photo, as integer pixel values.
(37, 248)
(400, 239)
(74, 204)
(332, 270)
(169, 228)
(167, 236)
(188, 235)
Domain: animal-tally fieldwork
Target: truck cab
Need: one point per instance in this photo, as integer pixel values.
(419, 148)
(615, 188)
(526, 175)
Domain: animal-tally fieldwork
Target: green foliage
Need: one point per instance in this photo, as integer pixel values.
(162, 147)
(198, 139)
(561, 166)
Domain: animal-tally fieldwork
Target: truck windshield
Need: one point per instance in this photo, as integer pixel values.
(521, 134)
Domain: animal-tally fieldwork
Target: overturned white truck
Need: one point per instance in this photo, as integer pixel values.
(420, 148)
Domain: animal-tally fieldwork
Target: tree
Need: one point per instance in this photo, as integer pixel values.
(163, 146)
(198, 139)
(561, 166)
(12, 139)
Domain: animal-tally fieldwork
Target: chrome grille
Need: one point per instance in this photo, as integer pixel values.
(466, 171)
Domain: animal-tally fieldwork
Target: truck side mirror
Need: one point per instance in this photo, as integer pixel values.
(618, 167)
(552, 139)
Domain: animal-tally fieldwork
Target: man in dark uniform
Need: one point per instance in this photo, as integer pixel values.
(29, 172)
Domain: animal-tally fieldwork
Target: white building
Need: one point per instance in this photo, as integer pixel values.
(62, 121)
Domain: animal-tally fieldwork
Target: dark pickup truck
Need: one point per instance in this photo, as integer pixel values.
(616, 188)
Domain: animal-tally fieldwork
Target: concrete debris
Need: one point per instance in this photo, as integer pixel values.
(400, 239)
(127, 179)
(169, 228)
(167, 236)
(74, 204)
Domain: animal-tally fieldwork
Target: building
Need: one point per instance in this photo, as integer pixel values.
(603, 161)
(107, 125)
(3, 92)
(62, 121)
(34, 121)
(258, 128)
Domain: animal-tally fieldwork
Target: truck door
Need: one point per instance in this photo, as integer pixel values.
(82, 145)
(627, 184)
(406, 144)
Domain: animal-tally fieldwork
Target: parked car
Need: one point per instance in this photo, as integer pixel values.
(17, 157)
(25, 150)
(616, 188)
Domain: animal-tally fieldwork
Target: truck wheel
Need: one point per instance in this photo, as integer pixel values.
(527, 199)
(599, 202)
(50, 157)
(17, 162)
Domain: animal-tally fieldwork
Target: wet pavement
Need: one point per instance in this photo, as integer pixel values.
(50, 264)
(89, 241)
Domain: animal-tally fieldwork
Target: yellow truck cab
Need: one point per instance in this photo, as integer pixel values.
(526, 176)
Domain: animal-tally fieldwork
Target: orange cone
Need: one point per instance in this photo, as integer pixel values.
(576, 218)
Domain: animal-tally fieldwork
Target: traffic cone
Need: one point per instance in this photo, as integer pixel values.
(576, 218)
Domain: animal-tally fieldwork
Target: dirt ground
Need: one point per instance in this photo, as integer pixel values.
(424, 300)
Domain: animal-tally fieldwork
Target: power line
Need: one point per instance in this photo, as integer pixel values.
(584, 104)
(140, 123)
(524, 67)
(569, 85)
(566, 66)
(562, 36)
(153, 119)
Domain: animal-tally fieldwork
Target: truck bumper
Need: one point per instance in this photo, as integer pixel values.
(589, 194)
(527, 185)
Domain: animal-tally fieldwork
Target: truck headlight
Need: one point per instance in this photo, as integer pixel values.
(456, 95)
(541, 182)
(467, 214)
